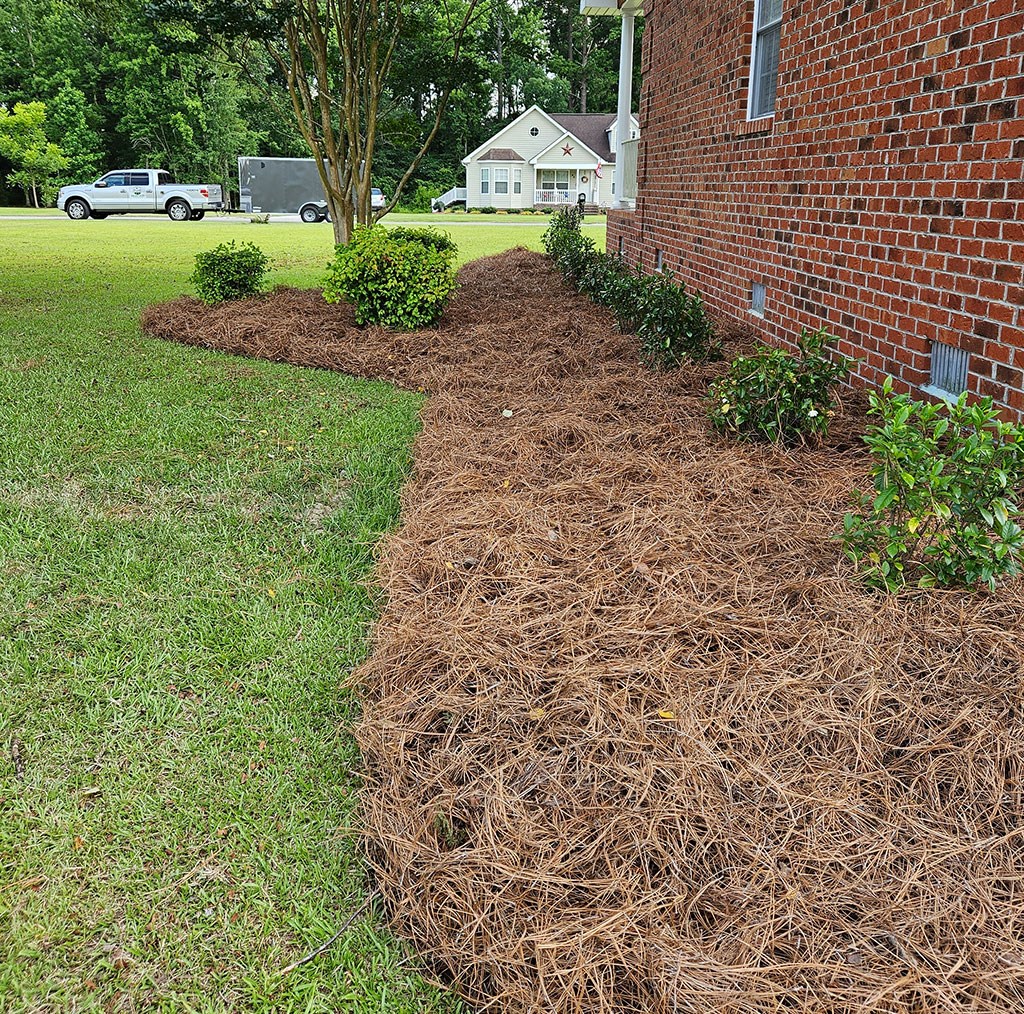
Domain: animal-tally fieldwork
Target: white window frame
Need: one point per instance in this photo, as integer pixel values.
(500, 181)
(517, 181)
(555, 185)
(485, 180)
(754, 91)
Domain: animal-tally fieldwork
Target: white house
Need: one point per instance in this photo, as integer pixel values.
(546, 159)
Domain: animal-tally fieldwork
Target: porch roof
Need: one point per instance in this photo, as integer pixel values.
(609, 8)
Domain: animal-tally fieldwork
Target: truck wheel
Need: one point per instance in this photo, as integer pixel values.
(198, 216)
(179, 211)
(98, 214)
(76, 210)
(309, 213)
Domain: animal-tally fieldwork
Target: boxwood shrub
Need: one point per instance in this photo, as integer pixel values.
(398, 282)
(229, 271)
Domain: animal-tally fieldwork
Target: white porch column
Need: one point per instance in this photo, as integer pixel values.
(625, 106)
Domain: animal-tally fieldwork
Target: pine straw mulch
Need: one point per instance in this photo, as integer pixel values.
(634, 739)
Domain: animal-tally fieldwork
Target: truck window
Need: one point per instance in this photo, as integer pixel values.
(114, 179)
(164, 179)
(138, 179)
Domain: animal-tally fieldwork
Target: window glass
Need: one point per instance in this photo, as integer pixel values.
(517, 185)
(764, 77)
(554, 178)
(485, 181)
(501, 181)
(138, 179)
(115, 180)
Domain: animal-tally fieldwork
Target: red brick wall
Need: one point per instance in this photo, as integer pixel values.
(885, 198)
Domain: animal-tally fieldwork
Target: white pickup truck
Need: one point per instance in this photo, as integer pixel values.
(136, 191)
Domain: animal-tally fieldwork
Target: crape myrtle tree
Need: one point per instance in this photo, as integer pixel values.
(336, 59)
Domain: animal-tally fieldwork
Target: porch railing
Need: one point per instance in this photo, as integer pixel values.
(553, 197)
(629, 155)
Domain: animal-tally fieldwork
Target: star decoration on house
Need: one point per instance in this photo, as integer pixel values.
(567, 149)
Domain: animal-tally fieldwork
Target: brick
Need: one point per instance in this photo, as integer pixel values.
(883, 199)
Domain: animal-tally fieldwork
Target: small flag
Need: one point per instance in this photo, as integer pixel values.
(597, 171)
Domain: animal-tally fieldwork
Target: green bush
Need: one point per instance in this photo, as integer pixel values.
(671, 324)
(488, 211)
(421, 199)
(229, 271)
(947, 483)
(427, 236)
(395, 282)
(777, 395)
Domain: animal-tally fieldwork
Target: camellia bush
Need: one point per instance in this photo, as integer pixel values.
(779, 396)
(671, 323)
(946, 498)
(229, 272)
(401, 281)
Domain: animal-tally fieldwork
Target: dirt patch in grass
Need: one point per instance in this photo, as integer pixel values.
(635, 740)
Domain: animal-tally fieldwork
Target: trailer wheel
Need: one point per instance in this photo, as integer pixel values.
(198, 216)
(310, 213)
(77, 210)
(178, 211)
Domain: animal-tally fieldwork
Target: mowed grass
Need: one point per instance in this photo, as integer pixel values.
(184, 544)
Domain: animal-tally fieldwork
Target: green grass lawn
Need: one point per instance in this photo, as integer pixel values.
(184, 539)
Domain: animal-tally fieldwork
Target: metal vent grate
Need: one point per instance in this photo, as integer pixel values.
(949, 369)
(758, 295)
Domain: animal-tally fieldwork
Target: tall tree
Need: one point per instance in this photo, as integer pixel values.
(37, 161)
(336, 58)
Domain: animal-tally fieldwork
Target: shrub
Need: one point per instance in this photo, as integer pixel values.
(947, 480)
(229, 271)
(421, 199)
(488, 211)
(426, 235)
(777, 395)
(395, 282)
(670, 323)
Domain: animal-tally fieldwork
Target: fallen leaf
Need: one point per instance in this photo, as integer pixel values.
(536, 713)
(666, 714)
(272, 593)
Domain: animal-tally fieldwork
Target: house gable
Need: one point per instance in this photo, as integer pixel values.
(580, 156)
(518, 135)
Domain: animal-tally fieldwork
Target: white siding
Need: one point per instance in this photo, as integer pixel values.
(517, 136)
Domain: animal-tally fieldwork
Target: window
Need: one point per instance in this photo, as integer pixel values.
(554, 179)
(948, 370)
(115, 180)
(758, 295)
(534, 131)
(517, 185)
(764, 65)
(659, 261)
(485, 181)
(138, 179)
(501, 181)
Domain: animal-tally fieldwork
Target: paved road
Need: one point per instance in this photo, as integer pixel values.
(442, 221)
